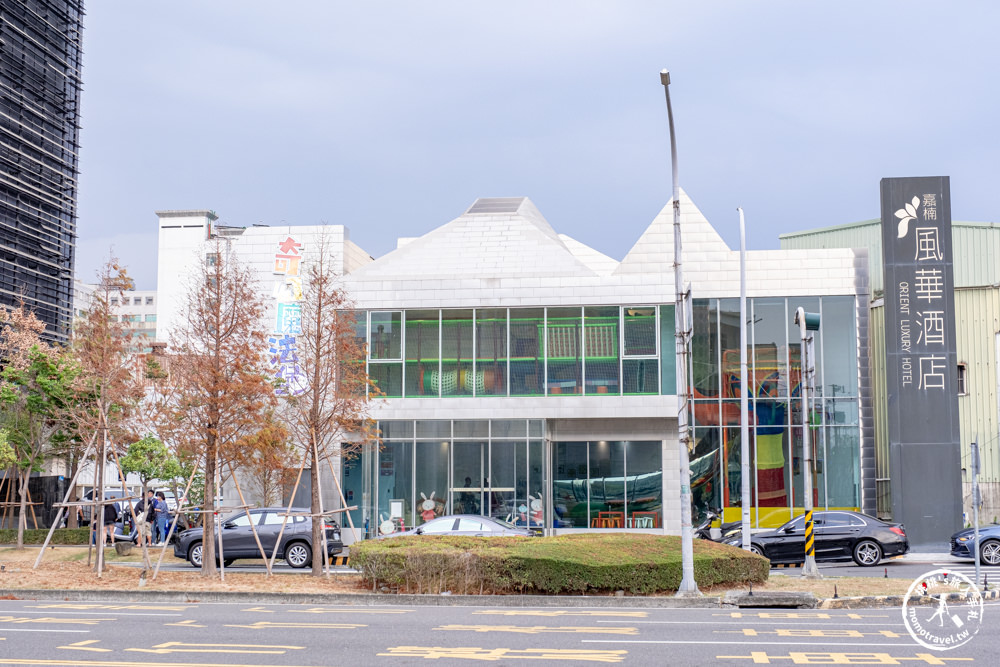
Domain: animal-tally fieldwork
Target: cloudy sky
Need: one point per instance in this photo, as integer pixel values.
(392, 117)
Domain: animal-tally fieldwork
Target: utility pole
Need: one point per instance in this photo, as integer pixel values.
(688, 587)
(744, 394)
(807, 322)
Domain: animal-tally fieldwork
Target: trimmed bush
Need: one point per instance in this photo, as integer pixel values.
(37, 536)
(581, 563)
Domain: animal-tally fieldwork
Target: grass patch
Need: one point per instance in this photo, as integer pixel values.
(37, 536)
(564, 564)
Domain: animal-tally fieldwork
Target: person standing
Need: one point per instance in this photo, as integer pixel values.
(143, 514)
(110, 516)
(160, 514)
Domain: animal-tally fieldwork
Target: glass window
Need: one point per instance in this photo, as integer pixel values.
(439, 526)
(769, 358)
(843, 487)
(395, 484)
(149, 301)
(600, 344)
(491, 351)
(151, 318)
(432, 480)
(471, 467)
(386, 335)
(570, 487)
(472, 429)
(275, 519)
(527, 361)
(507, 480)
(434, 429)
(137, 301)
(423, 369)
(508, 428)
(565, 368)
(470, 526)
(242, 521)
(668, 352)
(396, 430)
(838, 372)
(457, 354)
(640, 331)
(388, 377)
(644, 484)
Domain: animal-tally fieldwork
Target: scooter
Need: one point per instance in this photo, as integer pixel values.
(713, 529)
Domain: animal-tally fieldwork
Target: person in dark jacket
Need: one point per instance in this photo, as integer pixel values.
(110, 516)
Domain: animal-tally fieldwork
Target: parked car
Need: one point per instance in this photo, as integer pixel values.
(466, 524)
(989, 544)
(838, 535)
(238, 541)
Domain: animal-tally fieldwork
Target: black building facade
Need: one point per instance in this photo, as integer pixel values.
(40, 58)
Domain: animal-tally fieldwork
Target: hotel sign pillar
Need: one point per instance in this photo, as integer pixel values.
(921, 361)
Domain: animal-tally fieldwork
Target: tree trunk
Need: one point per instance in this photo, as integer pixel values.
(208, 568)
(315, 509)
(22, 518)
(72, 513)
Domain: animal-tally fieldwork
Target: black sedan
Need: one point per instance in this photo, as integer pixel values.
(838, 535)
(989, 544)
(238, 539)
(465, 524)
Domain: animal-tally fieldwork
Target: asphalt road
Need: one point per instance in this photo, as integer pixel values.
(115, 634)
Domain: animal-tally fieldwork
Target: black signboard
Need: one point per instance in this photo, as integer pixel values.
(921, 362)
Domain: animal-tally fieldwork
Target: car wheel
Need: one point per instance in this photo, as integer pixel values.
(194, 554)
(867, 553)
(298, 554)
(755, 549)
(990, 552)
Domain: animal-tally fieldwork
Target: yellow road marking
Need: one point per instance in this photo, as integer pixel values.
(180, 647)
(494, 654)
(116, 607)
(46, 619)
(803, 632)
(86, 646)
(334, 610)
(538, 629)
(528, 612)
(801, 658)
(191, 623)
(329, 626)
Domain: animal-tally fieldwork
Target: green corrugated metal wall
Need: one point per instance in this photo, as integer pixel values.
(977, 317)
(975, 248)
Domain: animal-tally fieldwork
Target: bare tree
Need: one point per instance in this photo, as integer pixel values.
(109, 381)
(218, 374)
(328, 410)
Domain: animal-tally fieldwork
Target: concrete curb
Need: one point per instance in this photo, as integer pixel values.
(731, 600)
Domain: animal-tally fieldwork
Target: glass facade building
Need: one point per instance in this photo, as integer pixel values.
(39, 98)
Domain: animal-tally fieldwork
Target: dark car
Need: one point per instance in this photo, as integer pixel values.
(238, 539)
(839, 535)
(989, 544)
(466, 524)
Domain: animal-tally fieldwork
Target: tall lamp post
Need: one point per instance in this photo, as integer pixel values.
(807, 322)
(688, 587)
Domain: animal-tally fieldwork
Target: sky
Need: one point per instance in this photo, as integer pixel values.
(392, 117)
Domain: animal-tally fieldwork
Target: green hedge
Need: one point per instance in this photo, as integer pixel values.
(595, 563)
(37, 536)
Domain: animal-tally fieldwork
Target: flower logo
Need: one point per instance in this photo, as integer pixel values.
(905, 214)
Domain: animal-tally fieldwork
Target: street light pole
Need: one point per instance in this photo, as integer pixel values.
(744, 394)
(807, 321)
(688, 587)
